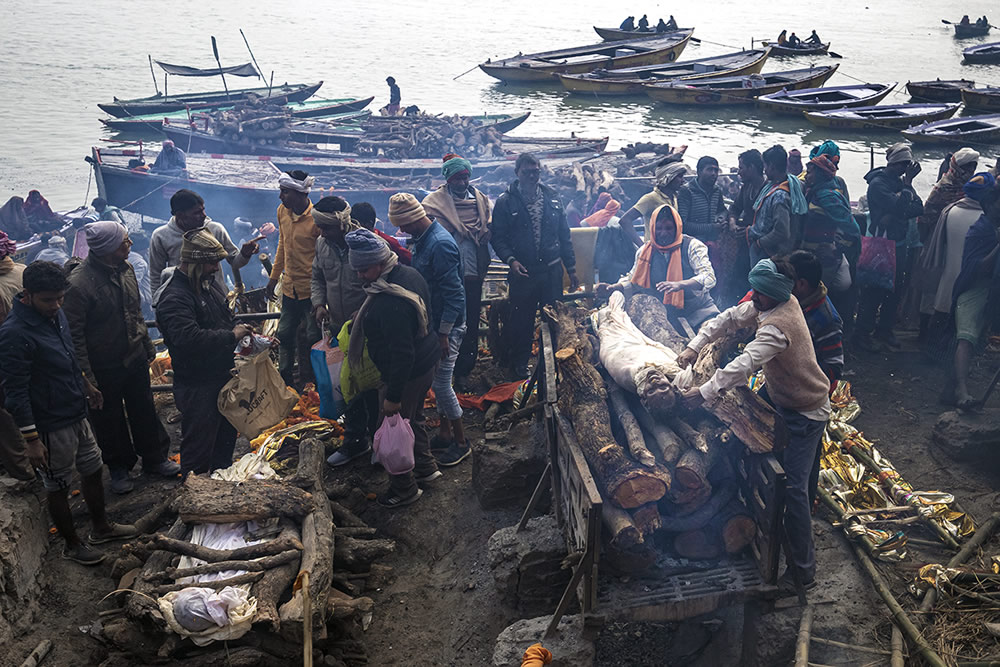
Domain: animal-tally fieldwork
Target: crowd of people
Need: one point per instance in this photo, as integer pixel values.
(783, 255)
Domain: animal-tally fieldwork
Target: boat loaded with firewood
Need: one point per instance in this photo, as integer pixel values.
(543, 66)
(721, 91)
(631, 80)
(938, 90)
(823, 99)
(886, 117)
(957, 131)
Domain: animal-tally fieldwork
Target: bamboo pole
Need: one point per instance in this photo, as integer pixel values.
(850, 647)
(38, 654)
(897, 648)
(838, 512)
(802, 644)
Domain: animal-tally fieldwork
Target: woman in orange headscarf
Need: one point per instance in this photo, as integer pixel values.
(603, 215)
(673, 266)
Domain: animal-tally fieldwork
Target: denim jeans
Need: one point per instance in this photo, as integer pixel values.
(444, 393)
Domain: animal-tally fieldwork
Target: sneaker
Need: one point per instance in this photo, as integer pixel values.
(119, 531)
(453, 455)
(340, 458)
(786, 585)
(121, 483)
(391, 501)
(437, 474)
(165, 468)
(83, 554)
(439, 444)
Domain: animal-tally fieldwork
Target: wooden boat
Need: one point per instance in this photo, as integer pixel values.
(211, 100)
(617, 34)
(971, 30)
(804, 50)
(982, 54)
(340, 110)
(544, 66)
(957, 131)
(824, 99)
(503, 122)
(887, 117)
(981, 99)
(632, 80)
(938, 90)
(553, 146)
(721, 91)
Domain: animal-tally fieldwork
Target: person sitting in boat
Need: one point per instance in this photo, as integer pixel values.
(41, 217)
(171, 160)
(965, 20)
(629, 23)
(783, 38)
(661, 27)
(53, 249)
(682, 279)
(794, 41)
(814, 39)
(392, 108)
(672, 23)
(644, 24)
(107, 212)
(754, 81)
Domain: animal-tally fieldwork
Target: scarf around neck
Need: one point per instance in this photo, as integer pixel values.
(675, 269)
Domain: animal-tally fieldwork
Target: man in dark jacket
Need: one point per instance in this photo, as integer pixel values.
(395, 323)
(47, 394)
(531, 235)
(700, 204)
(113, 348)
(199, 331)
(892, 202)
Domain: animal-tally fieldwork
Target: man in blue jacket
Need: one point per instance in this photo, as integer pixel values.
(531, 235)
(436, 257)
(48, 394)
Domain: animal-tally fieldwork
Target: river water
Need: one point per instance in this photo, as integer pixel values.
(60, 58)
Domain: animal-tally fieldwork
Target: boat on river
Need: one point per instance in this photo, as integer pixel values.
(824, 99)
(963, 31)
(729, 90)
(805, 49)
(543, 66)
(938, 90)
(958, 131)
(295, 92)
(888, 117)
(632, 80)
(981, 99)
(617, 34)
(982, 54)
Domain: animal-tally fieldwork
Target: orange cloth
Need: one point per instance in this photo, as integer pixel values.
(603, 216)
(536, 656)
(675, 269)
(297, 236)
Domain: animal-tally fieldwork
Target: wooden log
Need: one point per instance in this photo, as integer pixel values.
(693, 467)
(356, 555)
(649, 315)
(151, 520)
(619, 528)
(692, 438)
(583, 400)
(139, 604)
(259, 565)
(272, 586)
(249, 552)
(317, 553)
(38, 654)
(205, 500)
(723, 495)
(648, 520)
(736, 527)
(343, 607)
(802, 642)
(238, 580)
(630, 426)
(345, 517)
(668, 444)
(569, 329)
(688, 501)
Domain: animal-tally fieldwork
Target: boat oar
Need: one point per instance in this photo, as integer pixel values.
(260, 75)
(215, 50)
(834, 54)
(153, 74)
(466, 72)
(946, 22)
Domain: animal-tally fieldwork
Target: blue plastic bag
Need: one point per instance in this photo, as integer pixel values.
(326, 359)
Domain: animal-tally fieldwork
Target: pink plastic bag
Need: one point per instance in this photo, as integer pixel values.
(394, 445)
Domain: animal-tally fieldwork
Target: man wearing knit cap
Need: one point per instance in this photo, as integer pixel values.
(436, 257)
(12, 456)
(394, 323)
(297, 236)
(200, 334)
(892, 203)
(669, 180)
(531, 235)
(796, 386)
(105, 317)
(465, 212)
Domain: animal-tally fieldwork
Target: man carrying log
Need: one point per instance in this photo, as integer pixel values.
(199, 331)
(531, 235)
(113, 348)
(796, 386)
(465, 212)
(674, 265)
(395, 323)
(38, 364)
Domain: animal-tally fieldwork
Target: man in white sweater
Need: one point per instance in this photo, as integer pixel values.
(187, 210)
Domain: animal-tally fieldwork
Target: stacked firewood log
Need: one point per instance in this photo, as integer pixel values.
(307, 537)
(252, 122)
(429, 136)
(667, 481)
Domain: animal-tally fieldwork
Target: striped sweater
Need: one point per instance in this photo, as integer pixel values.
(827, 331)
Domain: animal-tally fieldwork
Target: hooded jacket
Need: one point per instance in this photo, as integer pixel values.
(891, 204)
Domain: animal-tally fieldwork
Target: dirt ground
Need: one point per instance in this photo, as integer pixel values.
(441, 607)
